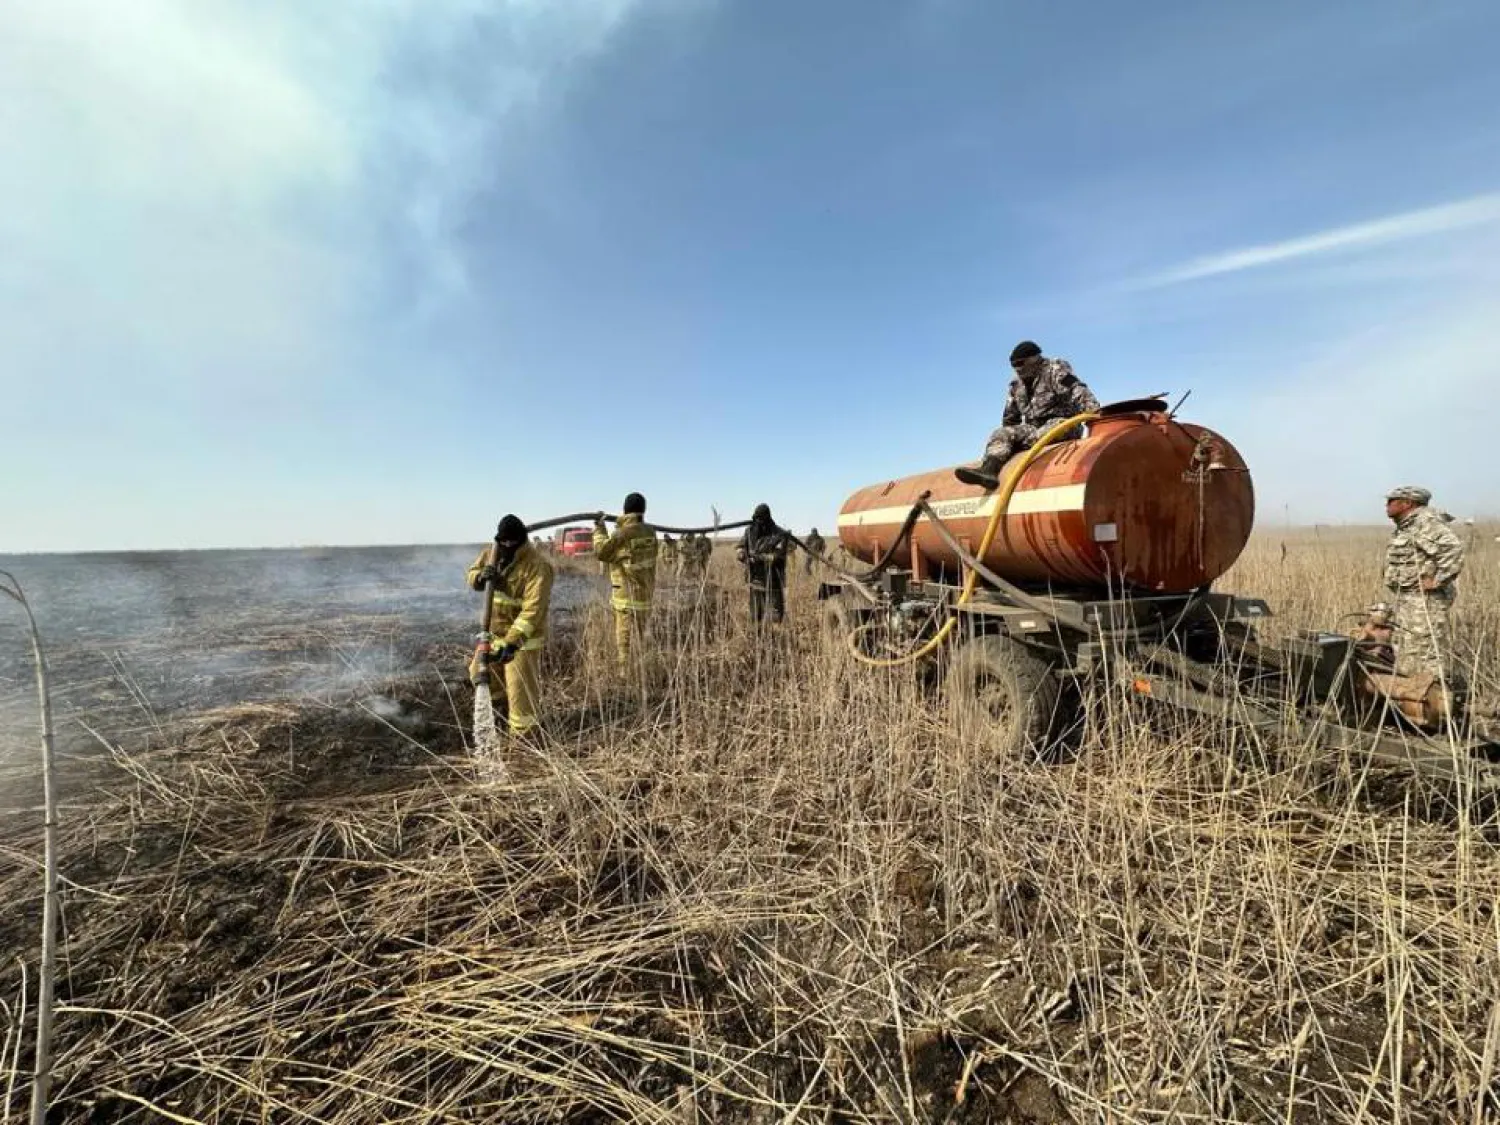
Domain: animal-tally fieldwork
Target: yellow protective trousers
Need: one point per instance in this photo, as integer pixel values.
(630, 634)
(519, 682)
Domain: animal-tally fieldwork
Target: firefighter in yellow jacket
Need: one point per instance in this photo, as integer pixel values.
(629, 557)
(520, 582)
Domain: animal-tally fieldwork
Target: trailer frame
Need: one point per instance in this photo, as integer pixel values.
(1196, 654)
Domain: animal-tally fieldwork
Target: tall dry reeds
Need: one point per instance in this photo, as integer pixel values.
(755, 884)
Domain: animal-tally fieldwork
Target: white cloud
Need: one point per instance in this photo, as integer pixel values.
(1480, 210)
(200, 194)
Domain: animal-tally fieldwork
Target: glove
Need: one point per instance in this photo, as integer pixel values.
(507, 653)
(487, 576)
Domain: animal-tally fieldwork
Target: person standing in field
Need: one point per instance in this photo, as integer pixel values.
(1422, 563)
(629, 558)
(520, 584)
(668, 555)
(762, 551)
(815, 545)
(1043, 392)
(697, 561)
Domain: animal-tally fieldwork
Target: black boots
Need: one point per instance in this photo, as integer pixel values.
(986, 475)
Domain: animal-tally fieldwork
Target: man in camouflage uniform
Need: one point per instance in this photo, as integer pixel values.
(690, 566)
(1043, 392)
(703, 552)
(1422, 563)
(668, 554)
(814, 544)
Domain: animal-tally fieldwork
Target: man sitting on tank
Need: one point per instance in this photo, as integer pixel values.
(1044, 392)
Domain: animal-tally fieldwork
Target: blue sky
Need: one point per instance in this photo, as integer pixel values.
(278, 273)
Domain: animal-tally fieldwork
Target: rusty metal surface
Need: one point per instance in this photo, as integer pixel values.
(1132, 504)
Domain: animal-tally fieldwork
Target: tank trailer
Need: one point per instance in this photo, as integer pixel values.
(1092, 566)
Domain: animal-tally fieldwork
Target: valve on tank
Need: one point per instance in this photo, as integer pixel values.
(1208, 457)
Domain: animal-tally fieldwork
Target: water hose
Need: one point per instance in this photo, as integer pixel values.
(590, 517)
(971, 577)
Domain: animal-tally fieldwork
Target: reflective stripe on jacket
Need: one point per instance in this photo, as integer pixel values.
(629, 555)
(521, 595)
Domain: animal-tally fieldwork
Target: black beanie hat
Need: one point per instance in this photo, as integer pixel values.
(635, 505)
(511, 532)
(1024, 350)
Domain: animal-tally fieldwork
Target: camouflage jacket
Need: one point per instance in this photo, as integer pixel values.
(1422, 546)
(1056, 393)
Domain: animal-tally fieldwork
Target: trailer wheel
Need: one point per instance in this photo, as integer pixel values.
(1004, 698)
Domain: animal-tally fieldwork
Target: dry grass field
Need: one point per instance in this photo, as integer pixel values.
(768, 887)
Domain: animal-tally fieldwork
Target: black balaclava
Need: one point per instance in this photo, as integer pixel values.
(510, 537)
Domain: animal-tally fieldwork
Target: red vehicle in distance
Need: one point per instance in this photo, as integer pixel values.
(576, 541)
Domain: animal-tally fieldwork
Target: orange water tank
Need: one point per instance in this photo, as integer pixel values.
(1142, 501)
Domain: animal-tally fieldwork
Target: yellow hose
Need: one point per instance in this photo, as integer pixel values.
(971, 579)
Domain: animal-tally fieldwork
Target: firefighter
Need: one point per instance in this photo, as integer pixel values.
(762, 551)
(814, 544)
(629, 558)
(520, 582)
(1043, 392)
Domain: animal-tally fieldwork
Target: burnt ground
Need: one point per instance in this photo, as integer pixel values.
(137, 641)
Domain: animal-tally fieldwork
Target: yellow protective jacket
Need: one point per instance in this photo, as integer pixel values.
(522, 594)
(630, 557)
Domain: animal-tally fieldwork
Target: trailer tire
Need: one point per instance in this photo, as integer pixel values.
(1004, 698)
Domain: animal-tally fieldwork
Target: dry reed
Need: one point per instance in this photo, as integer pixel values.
(756, 885)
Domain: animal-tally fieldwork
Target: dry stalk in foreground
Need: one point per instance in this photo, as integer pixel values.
(41, 1076)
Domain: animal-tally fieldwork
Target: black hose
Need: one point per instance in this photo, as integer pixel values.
(590, 517)
(881, 564)
(1017, 595)
(860, 583)
(735, 526)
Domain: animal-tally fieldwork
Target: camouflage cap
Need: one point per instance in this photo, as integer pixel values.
(1409, 492)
